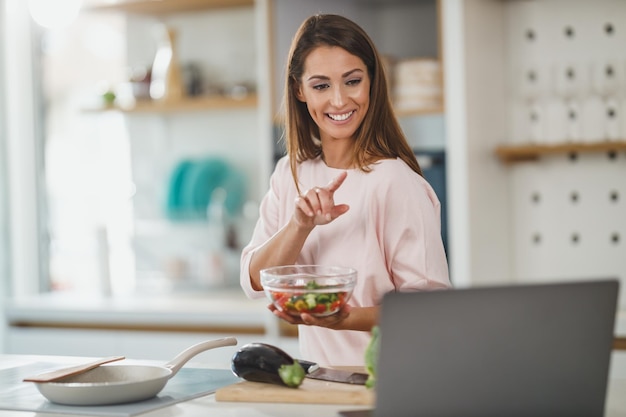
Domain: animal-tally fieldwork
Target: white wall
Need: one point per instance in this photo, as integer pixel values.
(477, 189)
(486, 125)
(4, 241)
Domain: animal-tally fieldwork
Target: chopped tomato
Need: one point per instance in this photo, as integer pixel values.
(319, 309)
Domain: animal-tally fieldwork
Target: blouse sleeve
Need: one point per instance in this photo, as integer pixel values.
(412, 237)
(267, 225)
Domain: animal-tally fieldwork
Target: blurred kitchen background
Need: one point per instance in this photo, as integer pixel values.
(137, 139)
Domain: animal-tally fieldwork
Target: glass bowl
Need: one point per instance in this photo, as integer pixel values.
(315, 289)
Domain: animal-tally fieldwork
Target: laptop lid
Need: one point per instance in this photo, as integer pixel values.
(520, 350)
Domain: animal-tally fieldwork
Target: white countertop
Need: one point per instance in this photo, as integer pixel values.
(208, 406)
(198, 407)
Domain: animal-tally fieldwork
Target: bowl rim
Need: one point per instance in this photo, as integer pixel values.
(346, 274)
(341, 270)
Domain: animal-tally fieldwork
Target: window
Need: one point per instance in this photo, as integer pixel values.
(4, 232)
(87, 157)
(69, 174)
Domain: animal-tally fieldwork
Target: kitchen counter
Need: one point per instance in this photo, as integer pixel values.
(201, 406)
(65, 324)
(207, 405)
(221, 309)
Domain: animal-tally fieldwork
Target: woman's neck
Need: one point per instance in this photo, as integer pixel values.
(338, 153)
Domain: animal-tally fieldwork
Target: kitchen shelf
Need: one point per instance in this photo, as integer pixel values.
(529, 152)
(184, 105)
(419, 112)
(162, 7)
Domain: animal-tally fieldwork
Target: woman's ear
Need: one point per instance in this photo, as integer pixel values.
(297, 90)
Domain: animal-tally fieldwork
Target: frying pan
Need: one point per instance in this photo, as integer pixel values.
(117, 384)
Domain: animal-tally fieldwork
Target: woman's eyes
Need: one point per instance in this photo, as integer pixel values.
(352, 82)
(320, 86)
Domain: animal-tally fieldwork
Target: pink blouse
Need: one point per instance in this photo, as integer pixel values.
(391, 235)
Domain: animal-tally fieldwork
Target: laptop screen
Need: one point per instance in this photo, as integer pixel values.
(527, 350)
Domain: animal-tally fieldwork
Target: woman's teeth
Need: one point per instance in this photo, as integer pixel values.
(340, 117)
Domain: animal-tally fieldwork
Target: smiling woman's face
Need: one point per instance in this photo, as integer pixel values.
(335, 86)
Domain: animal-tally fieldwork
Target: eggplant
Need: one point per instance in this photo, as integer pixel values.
(260, 362)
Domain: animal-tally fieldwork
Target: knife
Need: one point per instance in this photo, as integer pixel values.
(314, 371)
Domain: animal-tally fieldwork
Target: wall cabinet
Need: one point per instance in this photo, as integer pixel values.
(176, 13)
(199, 47)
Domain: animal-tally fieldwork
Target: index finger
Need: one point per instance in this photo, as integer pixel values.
(336, 182)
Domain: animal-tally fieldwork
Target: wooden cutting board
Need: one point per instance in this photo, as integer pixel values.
(311, 391)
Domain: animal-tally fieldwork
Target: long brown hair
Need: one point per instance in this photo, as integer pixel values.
(379, 136)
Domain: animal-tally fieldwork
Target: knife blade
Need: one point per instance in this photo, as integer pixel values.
(314, 371)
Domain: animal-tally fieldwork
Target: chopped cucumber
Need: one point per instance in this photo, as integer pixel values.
(310, 300)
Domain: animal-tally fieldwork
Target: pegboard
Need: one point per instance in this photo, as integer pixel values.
(567, 83)
(567, 70)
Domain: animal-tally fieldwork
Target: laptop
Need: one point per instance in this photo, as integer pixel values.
(517, 350)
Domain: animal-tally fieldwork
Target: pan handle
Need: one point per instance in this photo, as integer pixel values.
(183, 357)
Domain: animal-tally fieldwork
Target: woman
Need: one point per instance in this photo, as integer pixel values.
(349, 193)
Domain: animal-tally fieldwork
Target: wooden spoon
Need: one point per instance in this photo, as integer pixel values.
(72, 370)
